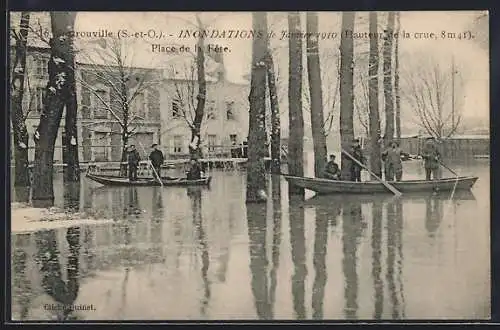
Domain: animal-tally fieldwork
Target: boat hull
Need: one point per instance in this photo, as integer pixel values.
(110, 180)
(325, 186)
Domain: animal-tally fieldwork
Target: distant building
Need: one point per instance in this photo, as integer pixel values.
(155, 114)
(225, 122)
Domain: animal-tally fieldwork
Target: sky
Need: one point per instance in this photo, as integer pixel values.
(471, 59)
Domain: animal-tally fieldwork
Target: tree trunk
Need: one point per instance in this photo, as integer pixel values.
(22, 178)
(396, 80)
(194, 146)
(275, 117)
(296, 120)
(374, 117)
(124, 127)
(346, 92)
(70, 149)
(56, 95)
(316, 95)
(256, 172)
(388, 95)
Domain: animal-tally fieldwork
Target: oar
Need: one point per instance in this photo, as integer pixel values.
(151, 164)
(446, 167)
(385, 183)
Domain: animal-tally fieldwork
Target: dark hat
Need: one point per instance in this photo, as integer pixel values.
(332, 156)
(154, 145)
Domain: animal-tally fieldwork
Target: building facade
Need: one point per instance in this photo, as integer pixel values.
(158, 113)
(225, 121)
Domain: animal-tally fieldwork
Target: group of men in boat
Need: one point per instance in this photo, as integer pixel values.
(156, 159)
(392, 158)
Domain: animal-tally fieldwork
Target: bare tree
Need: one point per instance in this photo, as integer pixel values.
(429, 88)
(296, 120)
(396, 78)
(315, 85)
(17, 111)
(275, 116)
(388, 85)
(202, 93)
(256, 176)
(57, 93)
(109, 67)
(346, 91)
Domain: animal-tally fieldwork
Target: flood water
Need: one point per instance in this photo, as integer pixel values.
(201, 253)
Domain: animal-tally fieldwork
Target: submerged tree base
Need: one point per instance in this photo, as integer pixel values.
(43, 203)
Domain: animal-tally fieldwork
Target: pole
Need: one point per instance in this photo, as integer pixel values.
(150, 164)
(385, 183)
(452, 92)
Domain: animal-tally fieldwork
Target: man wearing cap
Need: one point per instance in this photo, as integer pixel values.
(357, 153)
(156, 158)
(431, 156)
(332, 170)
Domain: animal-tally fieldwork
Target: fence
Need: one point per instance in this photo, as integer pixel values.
(456, 147)
(113, 153)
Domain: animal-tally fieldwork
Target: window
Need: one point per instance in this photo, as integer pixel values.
(233, 138)
(139, 106)
(212, 142)
(41, 67)
(100, 104)
(39, 95)
(176, 108)
(230, 110)
(211, 112)
(178, 141)
(100, 146)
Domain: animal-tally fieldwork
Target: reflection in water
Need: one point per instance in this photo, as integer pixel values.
(297, 242)
(63, 292)
(157, 214)
(376, 241)
(324, 213)
(194, 194)
(276, 202)
(72, 197)
(394, 219)
(21, 285)
(256, 218)
(351, 232)
(399, 243)
(144, 215)
(433, 214)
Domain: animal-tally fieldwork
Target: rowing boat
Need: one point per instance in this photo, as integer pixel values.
(113, 180)
(326, 186)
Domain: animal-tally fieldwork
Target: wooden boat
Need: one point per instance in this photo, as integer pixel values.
(113, 180)
(326, 186)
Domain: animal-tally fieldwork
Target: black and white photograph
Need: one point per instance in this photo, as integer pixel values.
(249, 165)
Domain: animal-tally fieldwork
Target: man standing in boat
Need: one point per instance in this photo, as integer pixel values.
(393, 163)
(133, 160)
(332, 170)
(357, 153)
(156, 158)
(431, 156)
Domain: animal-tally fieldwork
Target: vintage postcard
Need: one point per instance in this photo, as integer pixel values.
(250, 166)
